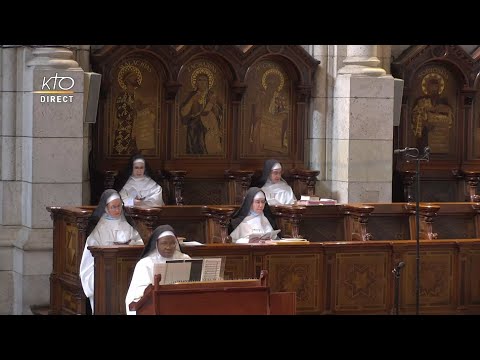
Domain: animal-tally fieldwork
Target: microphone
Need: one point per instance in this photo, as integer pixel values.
(403, 151)
(396, 269)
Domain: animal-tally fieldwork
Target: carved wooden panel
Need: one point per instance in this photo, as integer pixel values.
(473, 278)
(193, 230)
(455, 227)
(437, 289)
(440, 191)
(200, 126)
(323, 229)
(71, 257)
(389, 227)
(72, 302)
(133, 108)
(266, 122)
(237, 267)
(199, 192)
(125, 268)
(474, 136)
(361, 282)
(298, 273)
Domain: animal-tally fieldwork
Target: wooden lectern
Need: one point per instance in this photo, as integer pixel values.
(225, 297)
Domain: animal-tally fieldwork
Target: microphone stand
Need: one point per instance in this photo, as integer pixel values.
(396, 275)
(418, 158)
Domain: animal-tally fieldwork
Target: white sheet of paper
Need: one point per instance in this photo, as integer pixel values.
(211, 269)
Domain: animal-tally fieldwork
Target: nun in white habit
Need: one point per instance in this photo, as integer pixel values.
(140, 189)
(276, 189)
(253, 217)
(112, 229)
(163, 245)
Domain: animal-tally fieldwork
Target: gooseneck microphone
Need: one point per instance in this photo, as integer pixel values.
(404, 151)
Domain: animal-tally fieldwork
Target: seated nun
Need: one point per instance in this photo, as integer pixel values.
(138, 188)
(112, 228)
(276, 189)
(253, 217)
(163, 245)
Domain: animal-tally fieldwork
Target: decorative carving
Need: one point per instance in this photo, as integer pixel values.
(109, 179)
(293, 215)
(274, 49)
(439, 51)
(297, 273)
(408, 180)
(468, 100)
(304, 181)
(221, 217)
(238, 183)
(472, 179)
(427, 214)
(178, 178)
(148, 220)
(238, 90)
(171, 90)
(359, 216)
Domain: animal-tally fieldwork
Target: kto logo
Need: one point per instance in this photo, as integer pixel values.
(60, 85)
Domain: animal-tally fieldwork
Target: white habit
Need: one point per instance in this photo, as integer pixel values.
(143, 275)
(279, 194)
(252, 224)
(145, 187)
(105, 233)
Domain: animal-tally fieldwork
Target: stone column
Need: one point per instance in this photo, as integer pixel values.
(45, 131)
(316, 142)
(82, 56)
(362, 133)
(362, 60)
(10, 189)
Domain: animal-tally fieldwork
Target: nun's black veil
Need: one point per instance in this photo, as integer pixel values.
(100, 211)
(244, 210)
(152, 241)
(267, 169)
(127, 171)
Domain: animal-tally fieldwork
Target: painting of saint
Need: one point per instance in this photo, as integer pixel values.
(135, 115)
(432, 115)
(201, 115)
(267, 112)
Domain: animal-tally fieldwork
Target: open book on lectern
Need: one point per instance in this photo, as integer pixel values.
(266, 236)
(207, 269)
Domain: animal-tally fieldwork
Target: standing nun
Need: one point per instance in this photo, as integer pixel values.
(112, 229)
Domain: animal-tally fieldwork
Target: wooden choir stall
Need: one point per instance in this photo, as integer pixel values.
(346, 268)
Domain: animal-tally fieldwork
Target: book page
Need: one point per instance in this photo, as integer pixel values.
(191, 243)
(177, 270)
(267, 236)
(160, 268)
(211, 269)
